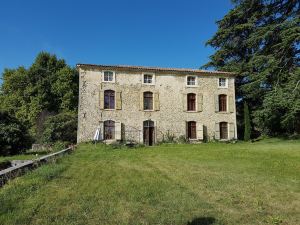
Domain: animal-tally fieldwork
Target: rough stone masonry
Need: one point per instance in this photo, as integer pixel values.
(149, 104)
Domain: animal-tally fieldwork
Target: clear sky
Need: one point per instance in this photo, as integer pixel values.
(166, 33)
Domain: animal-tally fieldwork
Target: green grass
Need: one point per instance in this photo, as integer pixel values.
(243, 183)
(19, 157)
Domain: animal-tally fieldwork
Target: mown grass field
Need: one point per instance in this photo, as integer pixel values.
(18, 157)
(243, 183)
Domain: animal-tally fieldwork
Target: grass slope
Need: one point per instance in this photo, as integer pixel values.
(244, 183)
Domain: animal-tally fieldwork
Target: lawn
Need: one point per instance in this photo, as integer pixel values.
(18, 157)
(215, 183)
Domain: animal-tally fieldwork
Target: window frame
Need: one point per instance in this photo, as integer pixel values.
(112, 129)
(188, 103)
(226, 82)
(222, 104)
(108, 81)
(191, 85)
(189, 130)
(152, 99)
(109, 96)
(153, 78)
(221, 131)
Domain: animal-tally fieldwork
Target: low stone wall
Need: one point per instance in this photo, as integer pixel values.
(28, 165)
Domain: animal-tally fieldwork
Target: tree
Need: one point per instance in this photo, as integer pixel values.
(247, 125)
(48, 87)
(13, 135)
(61, 127)
(260, 40)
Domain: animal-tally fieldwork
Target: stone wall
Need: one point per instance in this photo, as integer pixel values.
(170, 117)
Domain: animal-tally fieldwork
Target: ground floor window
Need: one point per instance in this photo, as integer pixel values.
(223, 130)
(109, 130)
(191, 130)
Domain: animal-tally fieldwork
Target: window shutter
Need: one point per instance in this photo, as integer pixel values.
(199, 131)
(217, 131)
(184, 102)
(231, 131)
(101, 134)
(156, 101)
(231, 104)
(118, 100)
(118, 130)
(101, 99)
(216, 103)
(142, 101)
(186, 130)
(200, 102)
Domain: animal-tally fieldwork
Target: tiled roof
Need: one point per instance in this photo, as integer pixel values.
(155, 69)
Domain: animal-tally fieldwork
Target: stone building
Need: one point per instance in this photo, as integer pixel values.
(149, 104)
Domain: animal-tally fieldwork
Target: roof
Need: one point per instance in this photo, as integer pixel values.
(154, 69)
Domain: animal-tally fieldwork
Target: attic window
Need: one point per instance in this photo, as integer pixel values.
(223, 83)
(191, 81)
(108, 76)
(148, 78)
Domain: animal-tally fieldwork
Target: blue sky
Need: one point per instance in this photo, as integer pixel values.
(166, 33)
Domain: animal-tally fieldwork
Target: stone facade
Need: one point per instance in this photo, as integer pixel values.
(169, 114)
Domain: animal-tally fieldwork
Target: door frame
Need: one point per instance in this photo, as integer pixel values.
(151, 131)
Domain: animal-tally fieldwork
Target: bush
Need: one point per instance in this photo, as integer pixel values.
(13, 135)
(182, 139)
(59, 145)
(61, 127)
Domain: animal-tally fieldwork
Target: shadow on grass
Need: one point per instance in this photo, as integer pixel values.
(202, 221)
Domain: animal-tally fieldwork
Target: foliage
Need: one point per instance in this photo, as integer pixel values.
(169, 184)
(260, 40)
(168, 137)
(13, 135)
(47, 88)
(59, 145)
(61, 127)
(182, 139)
(247, 125)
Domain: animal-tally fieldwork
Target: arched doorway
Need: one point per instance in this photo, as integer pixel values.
(148, 132)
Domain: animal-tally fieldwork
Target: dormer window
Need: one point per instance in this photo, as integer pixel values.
(223, 82)
(148, 78)
(108, 76)
(191, 81)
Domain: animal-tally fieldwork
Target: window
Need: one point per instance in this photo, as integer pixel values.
(109, 130)
(109, 99)
(148, 79)
(108, 76)
(223, 130)
(222, 103)
(223, 82)
(191, 102)
(191, 132)
(148, 100)
(191, 81)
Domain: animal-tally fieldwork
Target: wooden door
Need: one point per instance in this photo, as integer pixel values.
(148, 133)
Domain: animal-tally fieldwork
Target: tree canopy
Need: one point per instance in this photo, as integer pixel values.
(260, 41)
(47, 88)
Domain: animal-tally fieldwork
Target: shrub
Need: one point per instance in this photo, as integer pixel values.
(182, 139)
(13, 135)
(59, 145)
(61, 127)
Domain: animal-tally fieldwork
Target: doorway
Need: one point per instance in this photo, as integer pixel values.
(148, 132)
(223, 131)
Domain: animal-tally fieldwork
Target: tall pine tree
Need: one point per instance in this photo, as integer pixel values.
(260, 40)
